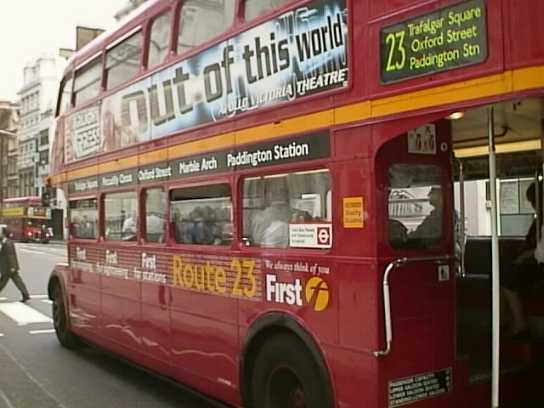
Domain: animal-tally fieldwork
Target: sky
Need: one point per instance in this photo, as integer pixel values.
(31, 28)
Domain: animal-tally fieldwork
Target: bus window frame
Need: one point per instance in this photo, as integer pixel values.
(98, 237)
(65, 79)
(139, 74)
(228, 33)
(95, 57)
(142, 208)
(206, 182)
(147, 38)
(265, 16)
(102, 219)
(447, 208)
(322, 164)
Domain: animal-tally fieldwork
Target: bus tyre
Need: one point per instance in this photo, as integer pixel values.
(285, 375)
(64, 335)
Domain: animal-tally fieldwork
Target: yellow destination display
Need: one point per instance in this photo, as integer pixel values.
(450, 38)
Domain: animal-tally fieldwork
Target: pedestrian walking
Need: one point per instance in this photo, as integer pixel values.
(9, 266)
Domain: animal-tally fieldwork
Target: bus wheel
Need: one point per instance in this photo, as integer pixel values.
(285, 375)
(64, 335)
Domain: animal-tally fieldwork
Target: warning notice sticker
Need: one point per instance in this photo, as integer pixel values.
(408, 390)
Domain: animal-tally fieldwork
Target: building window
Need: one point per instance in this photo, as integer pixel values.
(159, 39)
(202, 215)
(277, 209)
(44, 137)
(256, 8)
(44, 158)
(121, 216)
(202, 20)
(83, 219)
(87, 81)
(156, 206)
(123, 61)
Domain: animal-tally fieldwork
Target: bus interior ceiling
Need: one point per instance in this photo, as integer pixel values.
(518, 128)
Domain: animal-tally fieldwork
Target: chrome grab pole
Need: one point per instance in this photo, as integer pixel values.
(461, 221)
(397, 263)
(495, 357)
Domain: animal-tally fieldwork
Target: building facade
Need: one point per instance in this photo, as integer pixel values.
(8, 149)
(37, 99)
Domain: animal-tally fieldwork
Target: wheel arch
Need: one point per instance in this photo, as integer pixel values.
(273, 323)
(57, 278)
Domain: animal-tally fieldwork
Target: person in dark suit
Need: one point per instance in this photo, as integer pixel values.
(9, 266)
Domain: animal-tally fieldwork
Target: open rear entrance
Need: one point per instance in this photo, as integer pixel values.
(518, 130)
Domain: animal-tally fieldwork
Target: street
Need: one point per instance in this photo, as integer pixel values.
(37, 372)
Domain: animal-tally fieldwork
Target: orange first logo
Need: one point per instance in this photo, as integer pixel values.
(317, 293)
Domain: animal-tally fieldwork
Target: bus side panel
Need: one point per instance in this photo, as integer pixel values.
(204, 333)
(155, 318)
(524, 43)
(121, 299)
(84, 291)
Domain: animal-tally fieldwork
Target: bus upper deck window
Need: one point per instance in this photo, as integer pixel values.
(416, 208)
(123, 61)
(159, 40)
(256, 8)
(87, 81)
(201, 20)
(65, 97)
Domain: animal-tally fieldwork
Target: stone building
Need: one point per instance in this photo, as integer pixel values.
(8, 150)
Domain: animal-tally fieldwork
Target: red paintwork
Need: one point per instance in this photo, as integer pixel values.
(197, 338)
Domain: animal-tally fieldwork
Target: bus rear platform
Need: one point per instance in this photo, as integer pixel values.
(522, 361)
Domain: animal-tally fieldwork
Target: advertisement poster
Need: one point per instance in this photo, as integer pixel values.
(300, 53)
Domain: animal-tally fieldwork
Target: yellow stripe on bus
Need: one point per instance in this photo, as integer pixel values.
(493, 85)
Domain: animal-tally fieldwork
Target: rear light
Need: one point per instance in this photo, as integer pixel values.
(29, 233)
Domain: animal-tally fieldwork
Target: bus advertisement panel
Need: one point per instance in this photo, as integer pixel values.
(300, 53)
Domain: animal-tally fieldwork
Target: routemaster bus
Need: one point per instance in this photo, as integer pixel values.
(261, 198)
(26, 219)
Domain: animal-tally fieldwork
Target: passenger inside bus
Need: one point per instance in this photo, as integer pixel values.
(415, 206)
(272, 203)
(431, 227)
(270, 226)
(128, 232)
(528, 271)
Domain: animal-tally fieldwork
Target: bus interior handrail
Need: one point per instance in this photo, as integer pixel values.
(397, 263)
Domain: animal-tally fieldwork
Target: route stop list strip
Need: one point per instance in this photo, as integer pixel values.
(450, 38)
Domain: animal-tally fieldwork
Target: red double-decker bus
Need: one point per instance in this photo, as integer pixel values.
(261, 197)
(26, 219)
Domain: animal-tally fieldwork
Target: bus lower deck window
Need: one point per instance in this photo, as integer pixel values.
(202, 215)
(273, 205)
(121, 216)
(155, 215)
(83, 219)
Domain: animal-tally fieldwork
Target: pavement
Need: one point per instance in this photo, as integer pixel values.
(36, 372)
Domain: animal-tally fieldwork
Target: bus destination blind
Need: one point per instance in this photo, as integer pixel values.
(449, 38)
